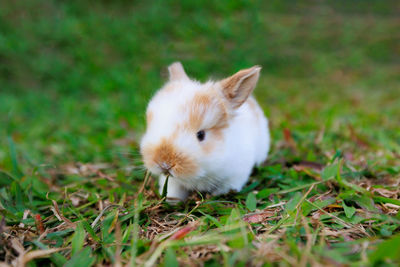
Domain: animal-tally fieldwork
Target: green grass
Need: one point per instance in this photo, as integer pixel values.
(75, 78)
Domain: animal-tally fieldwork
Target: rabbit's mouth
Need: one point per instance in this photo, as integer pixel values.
(165, 168)
(158, 170)
(165, 158)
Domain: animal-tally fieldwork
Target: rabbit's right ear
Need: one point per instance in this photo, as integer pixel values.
(176, 72)
(239, 86)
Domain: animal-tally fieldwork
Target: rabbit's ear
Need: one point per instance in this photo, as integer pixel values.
(239, 86)
(176, 72)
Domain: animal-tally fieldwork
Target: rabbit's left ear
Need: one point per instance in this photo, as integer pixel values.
(239, 86)
(176, 72)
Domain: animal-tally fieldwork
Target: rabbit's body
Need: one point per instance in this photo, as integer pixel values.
(203, 135)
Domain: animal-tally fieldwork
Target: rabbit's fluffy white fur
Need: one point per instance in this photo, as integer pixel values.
(206, 137)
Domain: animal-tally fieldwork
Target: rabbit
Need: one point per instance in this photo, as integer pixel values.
(204, 136)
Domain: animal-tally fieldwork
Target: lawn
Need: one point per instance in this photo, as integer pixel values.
(75, 78)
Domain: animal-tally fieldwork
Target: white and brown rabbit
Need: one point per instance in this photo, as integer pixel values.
(206, 137)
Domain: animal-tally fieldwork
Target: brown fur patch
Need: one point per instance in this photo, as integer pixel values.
(181, 164)
(197, 109)
(202, 104)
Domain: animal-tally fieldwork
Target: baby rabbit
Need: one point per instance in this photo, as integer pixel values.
(206, 137)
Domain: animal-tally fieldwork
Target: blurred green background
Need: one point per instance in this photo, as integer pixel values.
(75, 76)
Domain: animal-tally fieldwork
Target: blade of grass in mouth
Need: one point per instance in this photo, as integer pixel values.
(164, 191)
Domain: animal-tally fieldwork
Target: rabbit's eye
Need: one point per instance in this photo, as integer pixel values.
(201, 135)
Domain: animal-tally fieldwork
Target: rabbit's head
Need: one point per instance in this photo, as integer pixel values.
(187, 122)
